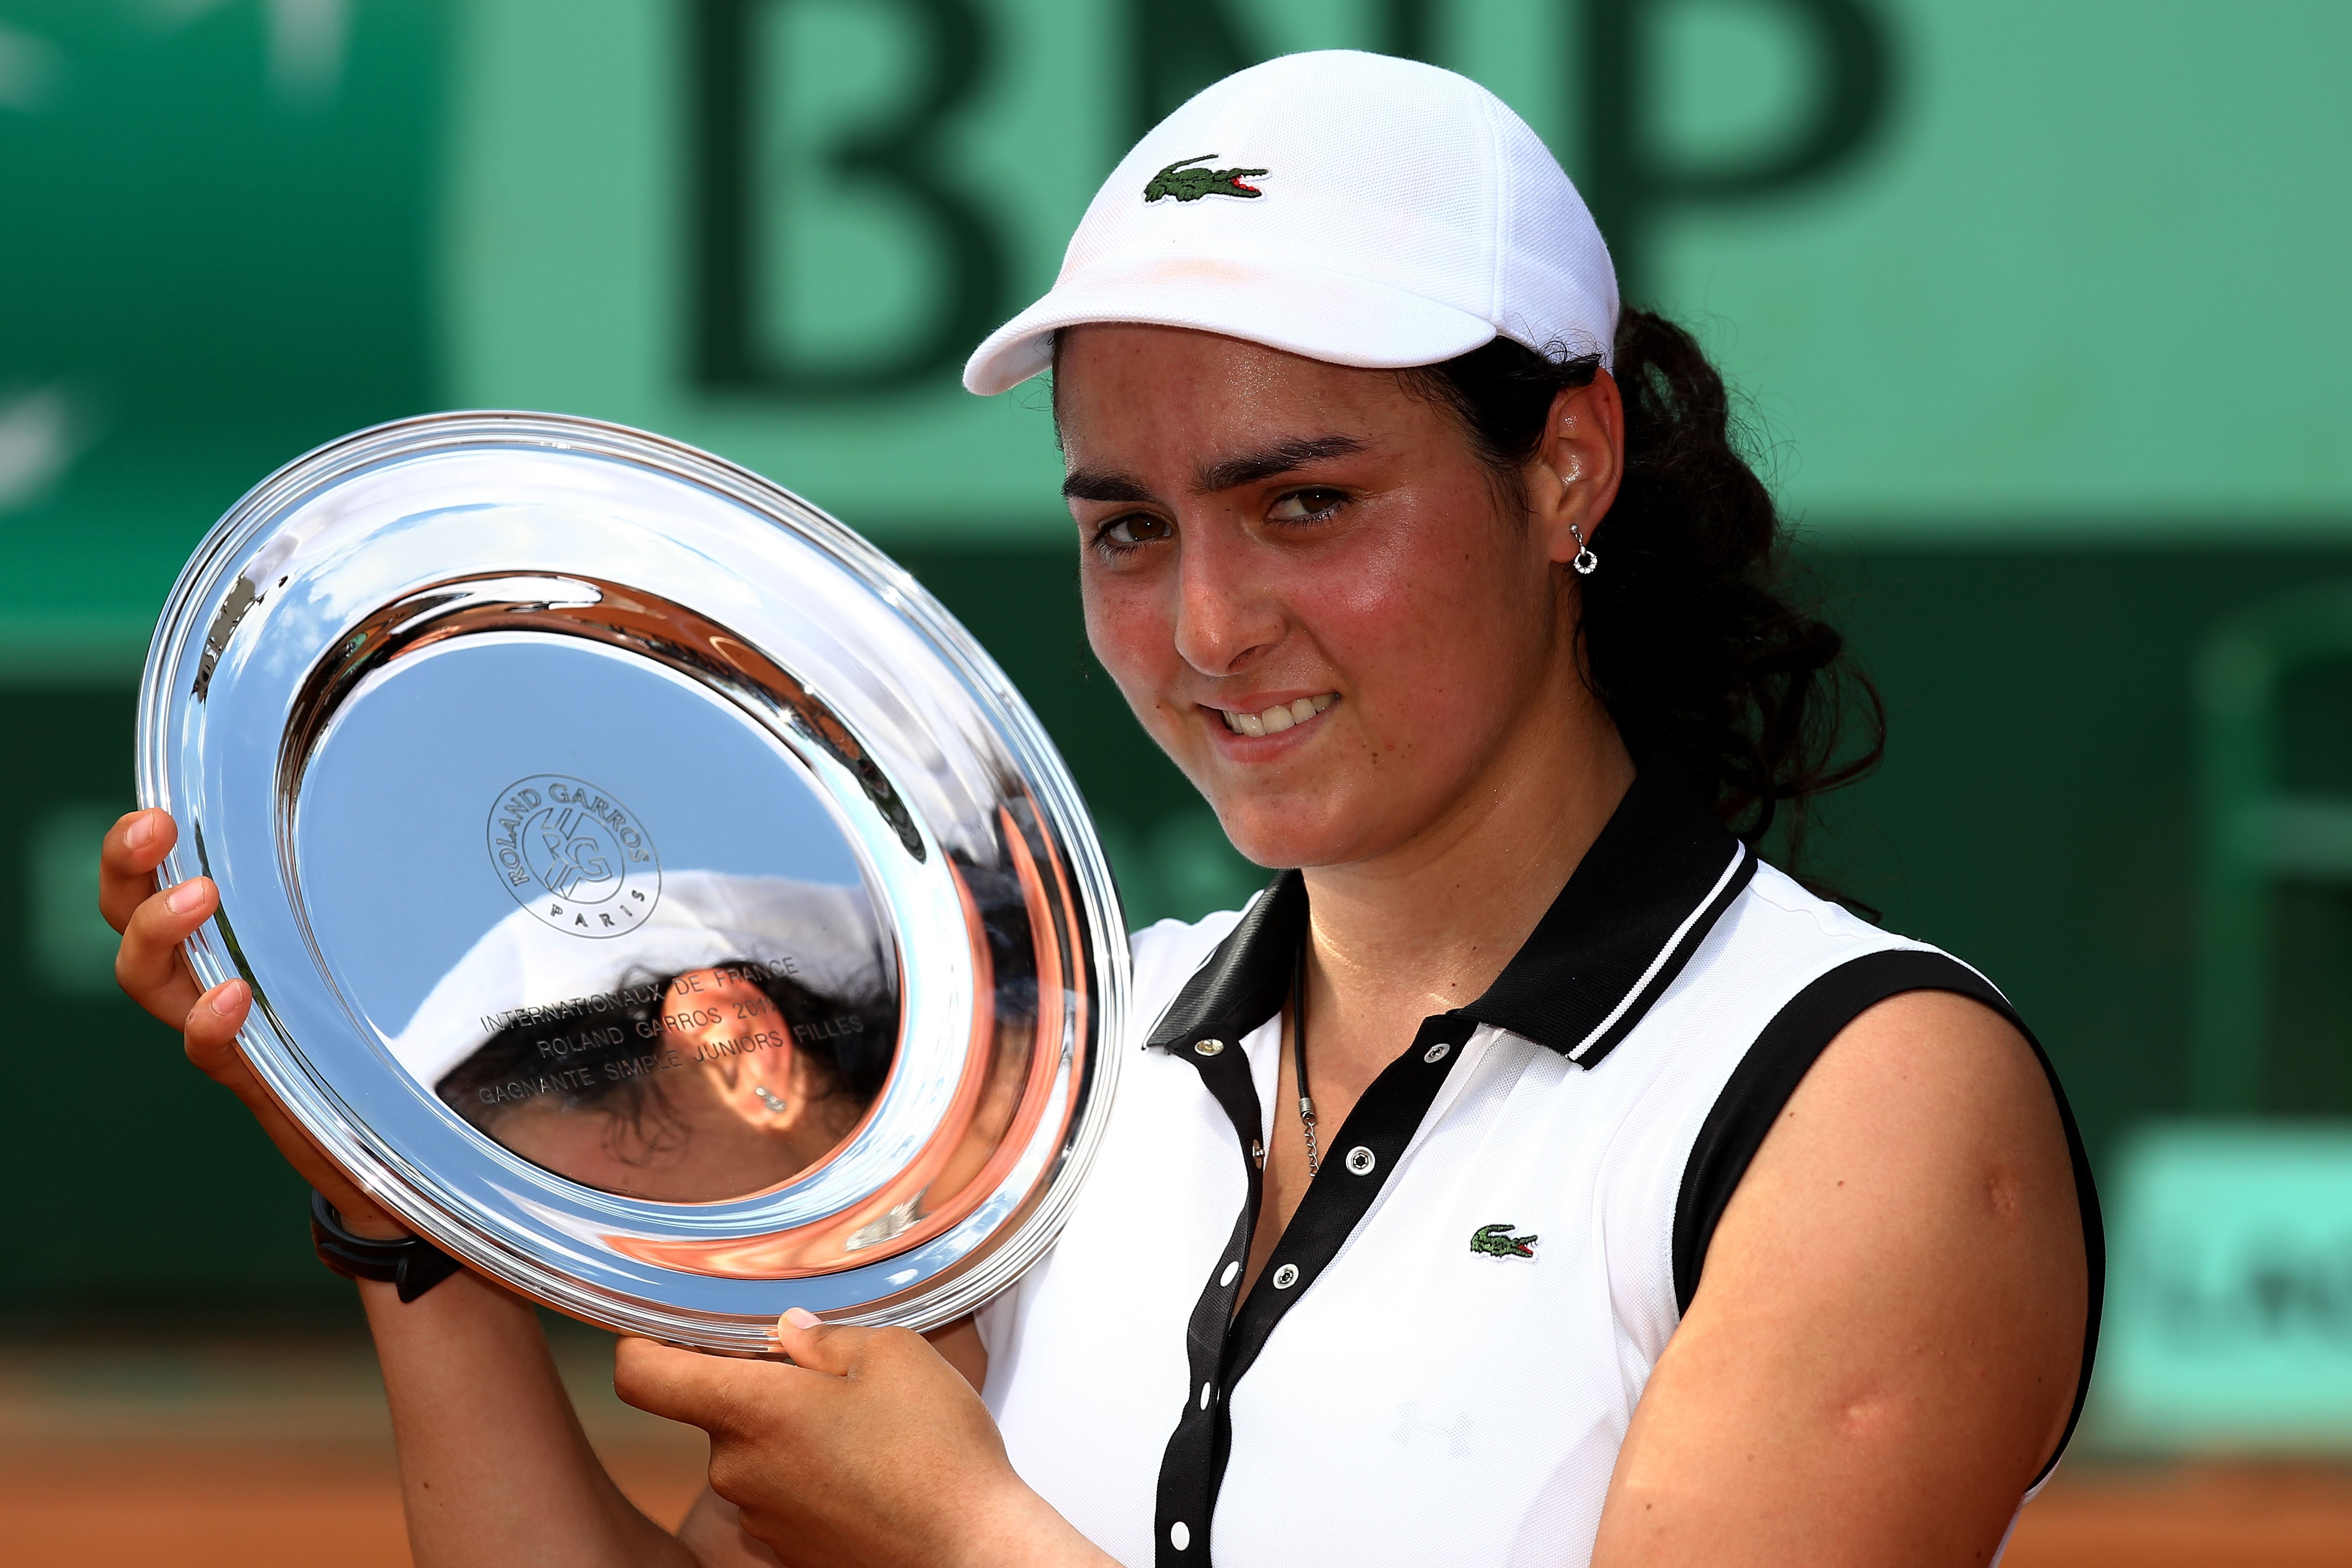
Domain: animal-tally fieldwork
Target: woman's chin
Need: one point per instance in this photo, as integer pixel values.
(1291, 833)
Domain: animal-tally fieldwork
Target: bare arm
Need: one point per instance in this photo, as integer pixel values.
(494, 1466)
(1886, 1341)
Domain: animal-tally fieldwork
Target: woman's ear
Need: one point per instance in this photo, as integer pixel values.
(1572, 479)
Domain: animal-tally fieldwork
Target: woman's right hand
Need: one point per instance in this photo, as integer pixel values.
(493, 1469)
(151, 968)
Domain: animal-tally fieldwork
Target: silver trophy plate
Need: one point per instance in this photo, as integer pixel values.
(649, 892)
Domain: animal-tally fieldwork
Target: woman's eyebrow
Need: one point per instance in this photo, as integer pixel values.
(1100, 484)
(1108, 485)
(1279, 459)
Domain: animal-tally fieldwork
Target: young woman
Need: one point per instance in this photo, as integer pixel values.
(1530, 1174)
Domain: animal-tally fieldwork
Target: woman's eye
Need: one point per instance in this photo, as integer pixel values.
(1304, 506)
(1127, 532)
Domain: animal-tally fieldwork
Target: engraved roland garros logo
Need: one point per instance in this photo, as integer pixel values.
(574, 856)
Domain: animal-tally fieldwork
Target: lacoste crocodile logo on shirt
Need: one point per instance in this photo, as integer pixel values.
(1496, 1241)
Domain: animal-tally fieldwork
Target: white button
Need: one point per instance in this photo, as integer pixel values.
(1436, 1053)
(1286, 1277)
(1206, 1389)
(1178, 1536)
(1207, 1047)
(1227, 1277)
(1361, 1161)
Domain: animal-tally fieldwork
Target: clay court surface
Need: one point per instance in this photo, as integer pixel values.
(228, 1453)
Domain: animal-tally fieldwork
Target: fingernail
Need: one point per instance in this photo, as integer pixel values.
(228, 997)
(802, 1317)
(142, 833)
(186, 897)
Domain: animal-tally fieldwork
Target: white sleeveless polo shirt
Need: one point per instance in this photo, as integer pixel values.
(1443, 1355)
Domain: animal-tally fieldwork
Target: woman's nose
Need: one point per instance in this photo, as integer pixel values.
(1225, 614)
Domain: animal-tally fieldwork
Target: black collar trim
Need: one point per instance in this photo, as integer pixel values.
(1646, 894)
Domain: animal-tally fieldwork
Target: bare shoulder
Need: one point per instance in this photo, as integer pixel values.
(1919, 1176)
(1888, 1328)
(1920, 1088)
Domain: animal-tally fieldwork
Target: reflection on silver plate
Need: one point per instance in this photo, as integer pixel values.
(651, 894)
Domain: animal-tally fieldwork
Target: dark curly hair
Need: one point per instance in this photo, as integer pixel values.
(1693, 638)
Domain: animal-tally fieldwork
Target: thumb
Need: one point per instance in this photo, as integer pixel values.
(703, 1391)
(816, 1344)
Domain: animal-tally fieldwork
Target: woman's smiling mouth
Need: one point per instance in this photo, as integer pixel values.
(1282, 716)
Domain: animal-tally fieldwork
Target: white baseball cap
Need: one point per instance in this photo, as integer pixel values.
(1351, 207)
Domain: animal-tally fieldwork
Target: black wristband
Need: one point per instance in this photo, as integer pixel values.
(413, 1266)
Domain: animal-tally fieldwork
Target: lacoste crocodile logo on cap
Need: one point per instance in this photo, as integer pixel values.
(1496, 1241)
(1191, 185)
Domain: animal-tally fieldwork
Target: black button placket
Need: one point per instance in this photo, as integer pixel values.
(1187, 1493)
(1222, 1344)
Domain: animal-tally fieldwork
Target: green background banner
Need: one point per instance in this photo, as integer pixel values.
(1990, 268)
(2232, 1321)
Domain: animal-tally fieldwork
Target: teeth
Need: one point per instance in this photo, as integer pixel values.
(1279, 717)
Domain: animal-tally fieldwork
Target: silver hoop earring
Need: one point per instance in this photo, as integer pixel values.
(1586, 563)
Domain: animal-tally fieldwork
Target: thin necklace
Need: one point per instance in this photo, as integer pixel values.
(1298, 1056)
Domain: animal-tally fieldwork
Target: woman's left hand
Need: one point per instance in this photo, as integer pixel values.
(870, 1449)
